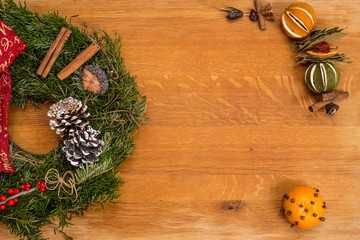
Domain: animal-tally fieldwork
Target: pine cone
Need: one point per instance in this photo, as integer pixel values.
(84, 147)
(69, 115)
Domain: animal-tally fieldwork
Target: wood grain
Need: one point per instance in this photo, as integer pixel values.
(229, 125)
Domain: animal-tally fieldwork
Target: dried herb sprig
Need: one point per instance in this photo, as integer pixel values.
(338, 58)
(328, 36)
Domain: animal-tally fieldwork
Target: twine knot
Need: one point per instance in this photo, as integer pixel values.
(65, 184)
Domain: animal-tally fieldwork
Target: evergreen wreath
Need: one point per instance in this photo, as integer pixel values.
(116, 114)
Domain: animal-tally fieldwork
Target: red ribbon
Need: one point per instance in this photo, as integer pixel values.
(10, 47)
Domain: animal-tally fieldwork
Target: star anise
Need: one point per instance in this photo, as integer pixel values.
(267, 12)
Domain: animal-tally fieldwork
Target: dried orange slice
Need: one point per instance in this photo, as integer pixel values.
(298, 20)
(321, 54)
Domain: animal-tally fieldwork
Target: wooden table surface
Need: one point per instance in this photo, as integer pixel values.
(228, 124)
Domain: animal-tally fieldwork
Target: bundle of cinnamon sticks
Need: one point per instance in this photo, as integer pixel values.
(327, 98)
(55, 50)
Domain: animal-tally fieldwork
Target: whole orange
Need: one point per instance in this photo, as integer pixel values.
(303, 207)
(298, 20)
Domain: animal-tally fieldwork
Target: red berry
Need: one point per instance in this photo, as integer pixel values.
(28, 185)
(2, 207)
(42, 189)
(322, 47)
(3, 198)
(10, 191)
(27, 189)
(22, 186)
(16, 200)
(11, 202)
(38, 183)
(16, 191)
(42, 185)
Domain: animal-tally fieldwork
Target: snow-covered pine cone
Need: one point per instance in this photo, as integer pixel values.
(69, 115)
(84, 147)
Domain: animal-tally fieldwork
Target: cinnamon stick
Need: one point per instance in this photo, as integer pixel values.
(83, 57)
(329, 95)
(261, 17)
(51, 50)
(321, 104)
(56, 53)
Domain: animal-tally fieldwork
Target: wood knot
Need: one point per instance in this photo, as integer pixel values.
(232, 205)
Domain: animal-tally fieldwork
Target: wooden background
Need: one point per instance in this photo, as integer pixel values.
(228, 124)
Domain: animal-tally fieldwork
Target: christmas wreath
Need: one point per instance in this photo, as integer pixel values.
(96, 110)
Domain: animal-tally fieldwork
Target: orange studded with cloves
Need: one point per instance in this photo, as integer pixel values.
(303, 207)
(298, 20)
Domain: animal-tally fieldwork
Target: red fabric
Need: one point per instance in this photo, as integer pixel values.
(10, 47)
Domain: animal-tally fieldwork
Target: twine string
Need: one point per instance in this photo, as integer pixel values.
(54, 181)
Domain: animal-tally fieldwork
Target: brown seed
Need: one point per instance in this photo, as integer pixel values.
(316, 195)
(312, 202)
(317, 190)
(315, 215)
(302, 217)
(289, 213)
(292, 225)
(286, 196)
(301, 205)
(306, 210)
(292, 200)
(235, 15)
(296, 223)
(322, 218)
